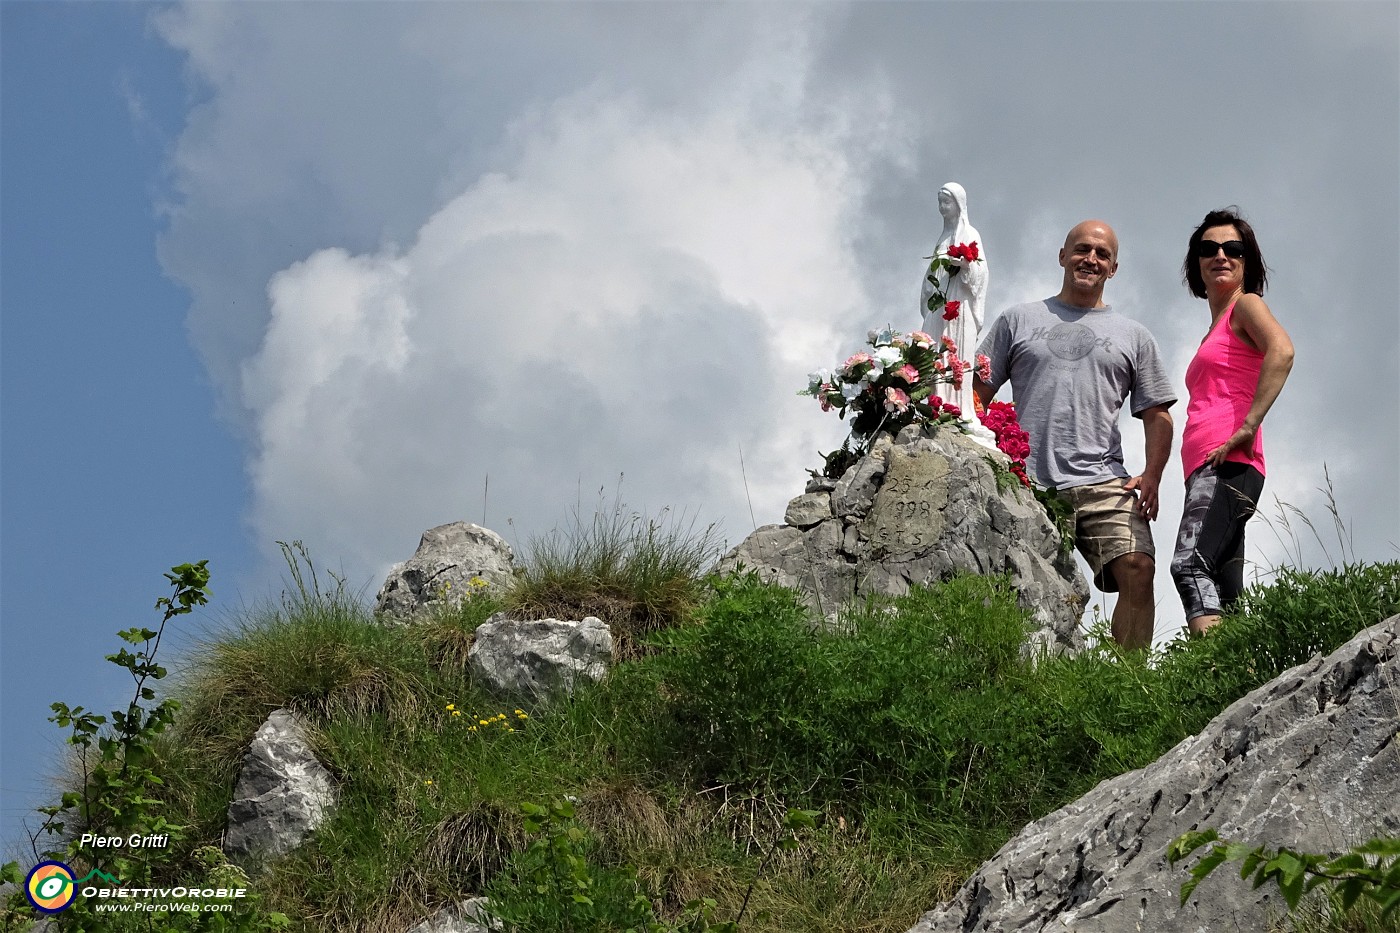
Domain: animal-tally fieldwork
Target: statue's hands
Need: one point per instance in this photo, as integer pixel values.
(1243, 437)
(1146, 488)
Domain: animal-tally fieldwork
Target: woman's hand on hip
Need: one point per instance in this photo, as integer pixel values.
(1243, 437)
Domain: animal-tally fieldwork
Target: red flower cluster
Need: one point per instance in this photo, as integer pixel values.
(967, 251)
(940, 407)
(1012, 440)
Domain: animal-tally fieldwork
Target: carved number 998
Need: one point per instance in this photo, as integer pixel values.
(910, 509)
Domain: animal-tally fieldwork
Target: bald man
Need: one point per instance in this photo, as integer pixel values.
(1072, 361)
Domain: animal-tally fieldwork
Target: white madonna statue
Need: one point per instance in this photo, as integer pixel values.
(968, 287)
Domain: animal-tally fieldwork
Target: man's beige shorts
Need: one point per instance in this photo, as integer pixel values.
(1107, 526)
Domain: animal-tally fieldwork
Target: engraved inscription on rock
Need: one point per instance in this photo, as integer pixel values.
(907, 515)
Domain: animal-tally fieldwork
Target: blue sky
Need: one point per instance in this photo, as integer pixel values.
(114, 469)
(328, 271)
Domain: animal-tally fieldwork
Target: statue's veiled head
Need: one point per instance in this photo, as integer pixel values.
(952, 201)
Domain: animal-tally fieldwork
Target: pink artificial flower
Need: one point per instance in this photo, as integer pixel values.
(896, 400)
(949, 344)
(956, 368)
(857, 359)
(921, 339)
(984, 367)
(908, 373)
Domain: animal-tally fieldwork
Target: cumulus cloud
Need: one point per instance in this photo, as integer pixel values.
(641, 293)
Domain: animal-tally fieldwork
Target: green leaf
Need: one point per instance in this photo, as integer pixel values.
(1352, 861)
(1189, 842)
(1389, 901)
(1380, 847)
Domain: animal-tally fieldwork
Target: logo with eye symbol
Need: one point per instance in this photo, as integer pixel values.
(50, 887)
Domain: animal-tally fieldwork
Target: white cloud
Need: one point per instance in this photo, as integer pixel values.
(641, 293)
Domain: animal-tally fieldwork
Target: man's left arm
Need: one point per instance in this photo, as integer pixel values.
(1157, 432)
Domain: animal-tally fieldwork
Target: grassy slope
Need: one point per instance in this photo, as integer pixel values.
(920, 735)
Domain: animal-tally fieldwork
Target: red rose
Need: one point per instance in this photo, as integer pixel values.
(971, 251)
(950, 311)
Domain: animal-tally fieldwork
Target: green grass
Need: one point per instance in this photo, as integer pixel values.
(637, 574)
(917, 730)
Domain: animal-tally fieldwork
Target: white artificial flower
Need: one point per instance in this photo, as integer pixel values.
(888, 356)
(851, 389)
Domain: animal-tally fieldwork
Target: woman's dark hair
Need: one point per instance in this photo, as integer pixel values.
(1256, 274)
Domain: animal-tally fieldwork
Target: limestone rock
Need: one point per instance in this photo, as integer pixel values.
(282, 795)
(470, 916)
(1309, 761)
(448, 559)
(540, 658)
(808, 509)
(915, 510)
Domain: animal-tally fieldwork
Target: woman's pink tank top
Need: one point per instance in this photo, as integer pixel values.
(1220, 381)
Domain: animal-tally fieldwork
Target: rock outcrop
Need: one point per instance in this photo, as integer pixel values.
(470, 916)
(539, 658)
(915, 510)
(1310, 761)
(283, 792)
(449, 558)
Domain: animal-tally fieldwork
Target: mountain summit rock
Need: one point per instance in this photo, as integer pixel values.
(917, 509)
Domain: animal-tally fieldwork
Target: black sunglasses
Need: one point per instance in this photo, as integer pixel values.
(1206, 249)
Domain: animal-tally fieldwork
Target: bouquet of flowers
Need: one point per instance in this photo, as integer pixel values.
(962, 252)
(1012, 440)
(894, 384)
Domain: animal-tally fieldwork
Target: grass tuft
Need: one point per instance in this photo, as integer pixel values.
(637, 574)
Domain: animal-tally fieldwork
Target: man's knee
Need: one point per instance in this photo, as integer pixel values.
(1133, 571)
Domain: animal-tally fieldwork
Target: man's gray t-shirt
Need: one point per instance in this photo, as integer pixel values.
(1070, 370)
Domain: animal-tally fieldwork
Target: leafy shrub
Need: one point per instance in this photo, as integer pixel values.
(918, 701)
(1370, 870)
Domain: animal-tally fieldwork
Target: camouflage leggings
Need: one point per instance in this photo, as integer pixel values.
(1208, 566)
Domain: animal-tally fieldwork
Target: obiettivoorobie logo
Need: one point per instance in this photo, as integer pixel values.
(51, 886)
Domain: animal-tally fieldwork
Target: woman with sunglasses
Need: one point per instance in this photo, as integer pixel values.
(1233, 380)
